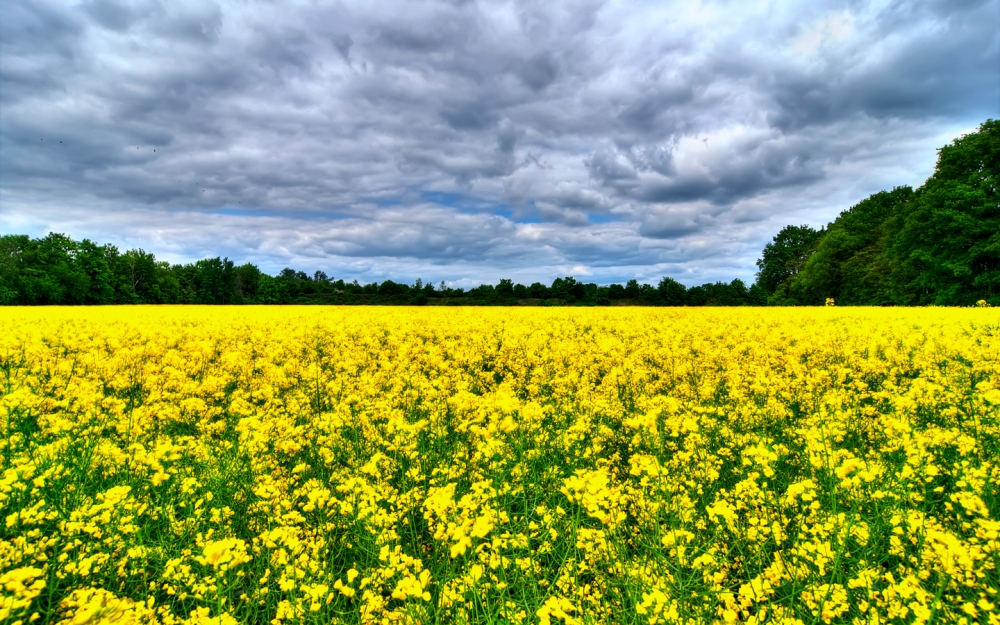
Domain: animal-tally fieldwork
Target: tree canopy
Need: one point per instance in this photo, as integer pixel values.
(938, 244)
(56, 269)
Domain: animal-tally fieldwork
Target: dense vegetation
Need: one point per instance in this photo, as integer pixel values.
(261, 465)
(938, 244)
(58, 270)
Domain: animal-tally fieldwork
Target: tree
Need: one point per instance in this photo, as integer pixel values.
(272, 290)
(92, 259)
(785, 255)
(56, 260)
(216, 281)
(567, 288)
(505, 288)
(11, 253)
(389, 288)
(41, 271)
(844, 264)
(537, 290)
(169, 283)
(697, 296)
(135, 278)
(247, 282)
(756, 295)
(737, 293)
(670, 292)
(482, 291)
(944, 248)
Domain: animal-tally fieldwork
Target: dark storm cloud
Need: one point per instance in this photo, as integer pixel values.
(342, 43)
(110, 14)
(934, 70)
(744, 167)
(476, 139)
(539, 71)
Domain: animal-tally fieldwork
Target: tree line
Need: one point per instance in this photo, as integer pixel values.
(57, 270)
(938, 244)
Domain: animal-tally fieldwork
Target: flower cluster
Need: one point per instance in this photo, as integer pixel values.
(553, 466)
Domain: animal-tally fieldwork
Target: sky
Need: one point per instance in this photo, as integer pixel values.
(473, 140)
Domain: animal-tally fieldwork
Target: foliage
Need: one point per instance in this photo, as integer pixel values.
(785, 256)
(58, 270)
(299, 465)
(844, 263)
(937, 245)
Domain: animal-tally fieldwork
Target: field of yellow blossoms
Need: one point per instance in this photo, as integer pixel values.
(455, 465)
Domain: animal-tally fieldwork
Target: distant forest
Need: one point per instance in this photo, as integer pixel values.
(936, 245)
(58, 270)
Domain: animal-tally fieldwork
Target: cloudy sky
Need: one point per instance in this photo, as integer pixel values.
(470, 140)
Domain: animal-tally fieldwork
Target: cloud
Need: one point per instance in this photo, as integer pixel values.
(342, 43)
(539, 71)
(475, 139)
(109, 14)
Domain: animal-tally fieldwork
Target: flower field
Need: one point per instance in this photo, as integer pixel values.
(545, 466)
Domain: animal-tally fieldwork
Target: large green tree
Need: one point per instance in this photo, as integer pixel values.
(93, 260)
(671, 292)
(785, 256)
(135, 277)
(946, 245)
(937, 245)
(847, 263)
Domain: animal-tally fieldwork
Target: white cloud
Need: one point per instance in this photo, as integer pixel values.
(826, 31)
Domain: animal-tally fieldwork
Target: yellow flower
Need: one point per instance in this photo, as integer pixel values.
(692, 463)
(225, 554)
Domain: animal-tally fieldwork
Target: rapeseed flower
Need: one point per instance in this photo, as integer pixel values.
(185, 465)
